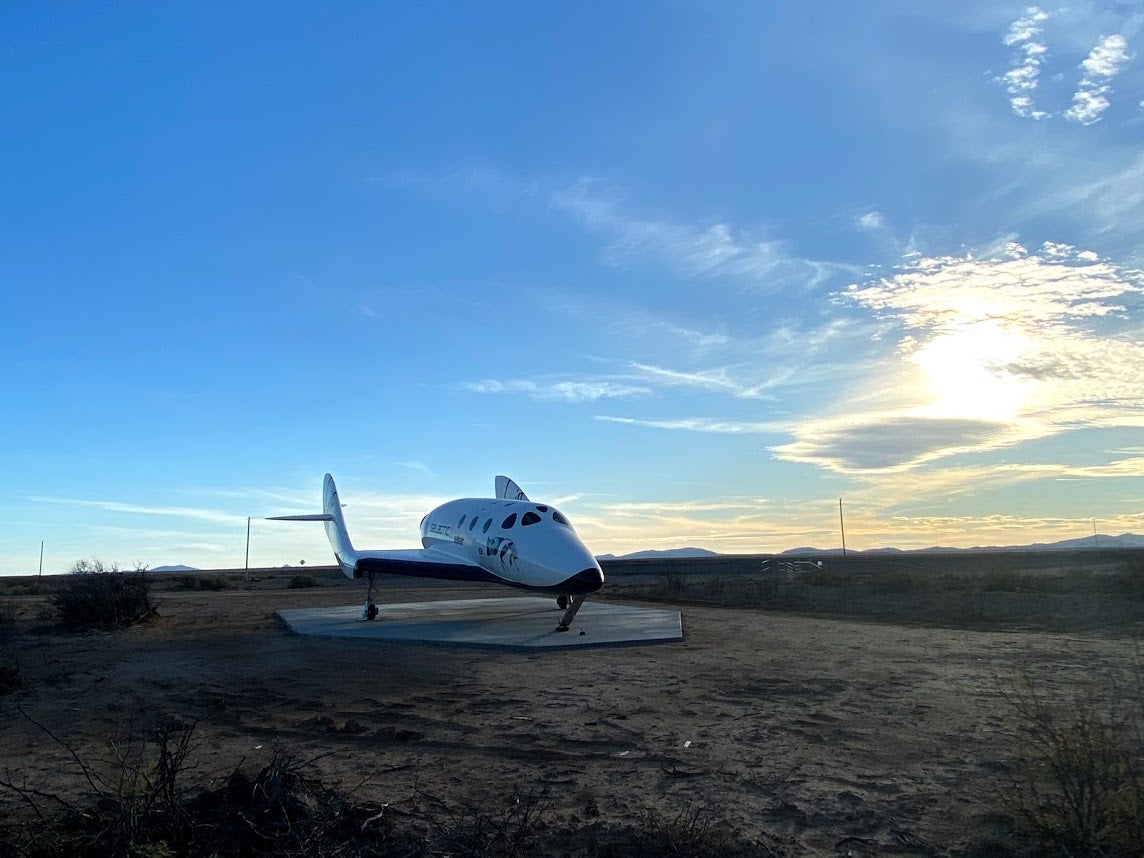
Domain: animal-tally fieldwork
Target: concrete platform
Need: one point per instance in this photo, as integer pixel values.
(515, 622)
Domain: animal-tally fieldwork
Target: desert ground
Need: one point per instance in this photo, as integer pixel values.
(811, 735)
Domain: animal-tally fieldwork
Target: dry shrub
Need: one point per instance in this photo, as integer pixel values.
(110, 599)
(1001, 579)
(672, 583)
(1078, 782)
(10, 677)
(137, 800)
(282, 810)
(302, 582)
(477, 830)
(141, 804)
(141, 807)
(896, 581)
(1129, 581)
(201, 582)
(695, 832)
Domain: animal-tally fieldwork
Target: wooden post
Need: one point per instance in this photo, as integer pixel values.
(842, 526)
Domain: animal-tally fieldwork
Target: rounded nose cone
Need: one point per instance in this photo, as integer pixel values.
(588, 581)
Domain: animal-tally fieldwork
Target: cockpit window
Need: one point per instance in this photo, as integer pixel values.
(473, 523)
(461, 523)
(541, 508)
(488, 524)
(559, 519)
(508, 522)
(529, 518)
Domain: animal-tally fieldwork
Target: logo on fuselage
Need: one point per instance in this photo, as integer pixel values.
(502, 548)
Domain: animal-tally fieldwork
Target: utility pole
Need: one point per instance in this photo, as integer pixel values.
(1095, 538)
(41, 558)
(248, 548)
(842, 526)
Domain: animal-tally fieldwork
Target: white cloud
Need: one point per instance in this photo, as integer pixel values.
(871, 221)
(1022, 78)
(991, 353)
(562, 390)
(1099, 68)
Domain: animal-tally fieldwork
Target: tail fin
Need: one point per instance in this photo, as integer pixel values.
(509, 490)
(335, 527)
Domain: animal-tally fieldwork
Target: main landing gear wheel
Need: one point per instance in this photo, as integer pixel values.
(370, 611)
(562, 602)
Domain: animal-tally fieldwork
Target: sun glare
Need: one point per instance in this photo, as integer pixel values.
(966, 373)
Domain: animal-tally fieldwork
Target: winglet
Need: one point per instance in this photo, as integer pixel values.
(509, 490)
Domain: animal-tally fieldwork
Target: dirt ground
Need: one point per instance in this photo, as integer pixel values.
(833, 736)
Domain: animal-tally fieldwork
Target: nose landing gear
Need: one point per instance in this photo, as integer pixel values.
(569, 614)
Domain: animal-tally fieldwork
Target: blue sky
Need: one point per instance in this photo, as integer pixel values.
(692, 271)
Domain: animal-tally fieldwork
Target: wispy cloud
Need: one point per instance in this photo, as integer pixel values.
(1104, 62)
(569, 391)
(196, 513)
(718, 380)
(713, 250)
(1021, 81)
(870, 221)
(662, 507)
(414, 465)
(700, 341)
(700, 424)
(636, 381)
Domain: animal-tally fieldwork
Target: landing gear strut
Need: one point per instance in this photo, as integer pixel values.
(573, 607)
(369, 612)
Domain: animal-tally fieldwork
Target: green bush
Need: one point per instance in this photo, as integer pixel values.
(302, 582)
(104, 600)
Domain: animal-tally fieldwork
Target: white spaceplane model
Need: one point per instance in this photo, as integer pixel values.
(504, 540)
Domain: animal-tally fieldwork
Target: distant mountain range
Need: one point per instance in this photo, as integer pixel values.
(660, 554)
(1124, 540)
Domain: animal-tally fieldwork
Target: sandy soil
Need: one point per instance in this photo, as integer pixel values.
(832, 735)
